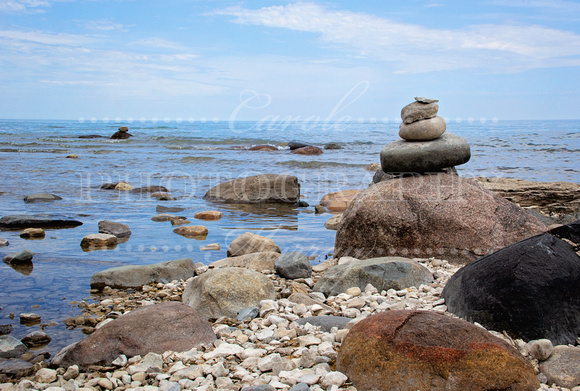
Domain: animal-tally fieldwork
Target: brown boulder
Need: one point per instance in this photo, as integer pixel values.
(155, 328)
(309, 150)
(256, 261)
(257, 189)
(431, 215)
(209, 215)
(191, 230)
(421, 350)
(263, 148)
(339, 201)
(248, 243)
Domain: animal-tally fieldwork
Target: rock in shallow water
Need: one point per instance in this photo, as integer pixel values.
(112, 228)
(37, 221)
(248, 243)
(266, 188)
(99, 240)
(41, 197)
(423, 350)
(448, 150)
(19, 258)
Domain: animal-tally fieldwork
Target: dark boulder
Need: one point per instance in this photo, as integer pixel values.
(119, 135)
(113, 228)
(293, 265)
(423, 350)
(37, 221)
(150, 189)
(309, 150)
(530, 289)
(41, 197)
(297, 144)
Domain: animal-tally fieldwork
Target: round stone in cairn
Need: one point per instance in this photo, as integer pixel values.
(419, 110)
(423, 130)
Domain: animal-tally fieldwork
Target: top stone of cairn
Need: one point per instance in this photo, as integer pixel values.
(426, 100)
(422, 108)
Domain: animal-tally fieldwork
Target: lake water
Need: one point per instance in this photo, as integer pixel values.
(191, 157)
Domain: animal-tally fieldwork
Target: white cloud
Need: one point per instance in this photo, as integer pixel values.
(22, 5)
(45, 38)
(412, 48)
(105, 25)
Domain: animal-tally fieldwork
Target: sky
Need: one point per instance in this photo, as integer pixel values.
(103, 60)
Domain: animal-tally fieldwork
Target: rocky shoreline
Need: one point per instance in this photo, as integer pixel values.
(275, 350)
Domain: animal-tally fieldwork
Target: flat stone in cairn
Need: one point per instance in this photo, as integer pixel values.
(423, 130)
(448, 150)
(418, 110)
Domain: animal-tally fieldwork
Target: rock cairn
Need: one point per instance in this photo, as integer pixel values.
(425, 146)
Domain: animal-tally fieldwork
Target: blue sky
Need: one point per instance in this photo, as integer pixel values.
(192, 59)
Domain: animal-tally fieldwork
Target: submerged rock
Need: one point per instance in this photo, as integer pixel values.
(266, 188)
(41, 197)
(37, 221)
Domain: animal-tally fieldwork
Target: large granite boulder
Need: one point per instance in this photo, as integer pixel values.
(37, 221)
(530, 289)
(562, 368)
(257, 189)
(439, 215)
(448, 150)
(248, 243)
(135, 276)
(383, 273)
(226, 291)
(259, 261)
(155, 328)
(422, 350)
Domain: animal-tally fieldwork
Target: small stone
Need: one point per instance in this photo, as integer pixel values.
(125, 129)
(45, 375)
(4, 243)
(72, 156)
(19, 258)
(211, 247)
(99, 240)
(105, 383)
(120, 361)
(541, 349)
(333, 222)
(248, 313)
(191, 230)
(71, 373)
(36, 339)
(333, 379)
(41, 197)
(418, 110)
(354, 291)
(163, 196)
(10, 347)
(209, 215)
(29, 318)
(318, 209)
(123, 186)
(425, 100)
(32, 233)
(6, 329)
(373, 167)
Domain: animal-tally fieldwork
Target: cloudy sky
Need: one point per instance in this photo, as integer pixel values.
(191, 59)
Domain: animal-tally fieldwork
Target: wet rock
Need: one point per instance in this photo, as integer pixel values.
(293, 265)
(155, 328)
(30, 233)
(123, 186)
(72, 156)
(209, 215)
(36, 339)
(37, 221)
(340, 200)
(163, 196)
(10, 347)
(226, 291)
(530, 289)
(211, 247)
(309, 150)
(112, 228)
(19, 258)
(191, 230)
(162, 217)
(562, 367)
(266, 188)
(149, 189)
(168, 209)
(297, 144)
(263, 148)
(332, 146)
(6, 329)
(383, 273)
(135, 276)
(41, 197)
(256, 261)
(248, 243)
(411, 350)
(404, 216)
(99, 240)
(29, 318)
(118, 135)
(402, 156)
(4, 243)
(333, 222)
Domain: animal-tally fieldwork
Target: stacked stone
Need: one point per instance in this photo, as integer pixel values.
(425, 147)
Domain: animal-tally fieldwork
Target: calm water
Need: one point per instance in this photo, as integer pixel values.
(189, 158)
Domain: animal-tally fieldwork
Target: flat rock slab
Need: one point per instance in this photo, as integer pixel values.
(41, 197)
(37, 221)
(423, 350)
(419, 110)
(256, 189)
(530, 289)
(135, 276)
(256, 261)
(154, 328)
(448, 150)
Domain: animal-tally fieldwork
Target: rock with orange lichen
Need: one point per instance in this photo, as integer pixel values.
(422, 350)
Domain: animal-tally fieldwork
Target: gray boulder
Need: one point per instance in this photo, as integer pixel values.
(256, 261)
(10, 347)
(448, 150)
(418, 110)
(226, 291)
(383, 273)
(154, 328)
(563, 367)
(37, 221)
(293, 265)
(135, 276)
(41, 197)
(112, 228)
(150, 189)
(19, 258)
(257, 189)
